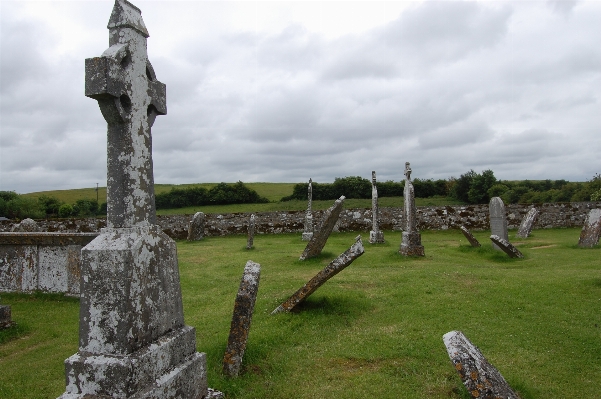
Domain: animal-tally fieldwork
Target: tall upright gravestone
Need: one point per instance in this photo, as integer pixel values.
(411, 244)
(132, 339)
(498, 220)
(375, 235)
(308, 228)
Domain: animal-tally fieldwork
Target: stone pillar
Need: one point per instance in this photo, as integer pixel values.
(527, 223)
(498, 220)
(133, 342)
(470, 237)
(308, 229)
(375, 235)
(319, 239)
(251, 232)
(196, 229)
(589, 236)
(411, 244)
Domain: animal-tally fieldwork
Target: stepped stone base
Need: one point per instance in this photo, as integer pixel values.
(376, 237)
(412, 245)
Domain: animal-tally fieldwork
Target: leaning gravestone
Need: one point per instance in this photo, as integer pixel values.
(376, 236)
(411, 244)
(527, 223)
(482, 379)
(308, 228)
(470, 237)
(506, 246)
(132, 339)
(196, 228)
(319, 239)
(498, 220)
(589, 236)
(335, 267)
(251, 232)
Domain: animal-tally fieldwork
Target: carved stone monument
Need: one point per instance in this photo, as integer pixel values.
(319, 239)
(411, 244)
(527, 223)
(589, 236)
(308, 230)
(335, 267)
(482, 379)
(196, 229)
(375, 235)
(506, 246)
(498, 220)
(470, 237)
(243, 313)
(133, 342)
(251, 232)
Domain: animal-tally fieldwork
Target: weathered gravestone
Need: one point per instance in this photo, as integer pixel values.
(251, 232)
(132, 339)
(308, 228)
(196, 229)
(411, 244)
(243, 311)
(506, 246)
(482, 380)
(5, 317)
(319, 239)
(498, 220)
(470, 237)
(26, 226)
(589, 236)
(527, 223)
(335, 267)
(375, 235)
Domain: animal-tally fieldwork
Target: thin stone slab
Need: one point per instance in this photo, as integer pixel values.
(470, 237)
(376, 236)
(482, 379)
(498, 220)
(319, 239)
(196, 229)
(5, 317)
(308, 228)
(589, 236)
(243, 311)
(335, 267)
(411, 243)
(506, 247)
(251, 232)
(527, 223)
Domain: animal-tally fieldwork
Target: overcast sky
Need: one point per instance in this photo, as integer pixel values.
(284, 91)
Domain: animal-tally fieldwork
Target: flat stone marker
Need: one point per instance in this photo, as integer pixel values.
(589, 236)
(308, 228)
(335, 267)
(133, 342)
(482, 379)
(376, 236)
(251, 232)
(506, 247)
(5, 317)
(319, 239)
(243, 311)
(527, 223)
(498, 220)
(470, 237)
(196, 229)
(411, 244)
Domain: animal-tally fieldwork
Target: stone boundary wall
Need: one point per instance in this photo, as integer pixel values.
(474, 217)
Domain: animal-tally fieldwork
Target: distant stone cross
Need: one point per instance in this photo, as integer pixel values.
(123, 82)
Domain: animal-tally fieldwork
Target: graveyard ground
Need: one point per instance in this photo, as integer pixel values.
(374, 330)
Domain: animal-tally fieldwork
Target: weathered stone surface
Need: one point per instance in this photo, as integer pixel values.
(498, 219)
(5, 317)
(26, 225)
(506, 246)
(196, 229)
(319, 239)
(527, 223)
(589, 236)
(376, 236)
(251, 232)
(411, 243)
(308, 227)
(482, 380)
(472, 240)
(241, 320)
(335, 267)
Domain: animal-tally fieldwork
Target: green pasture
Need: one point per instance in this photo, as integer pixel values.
(374, 330)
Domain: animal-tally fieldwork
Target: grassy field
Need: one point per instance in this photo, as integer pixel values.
(374, 330)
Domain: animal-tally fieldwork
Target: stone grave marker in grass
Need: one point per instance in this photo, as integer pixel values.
(308, 227)
(470, 237)
(196, 228)
(506, 247)
(589, 236)
(527, 223)
(251, 232)
(376, 236)
(411, 244)
(320, 237)
(498, 220)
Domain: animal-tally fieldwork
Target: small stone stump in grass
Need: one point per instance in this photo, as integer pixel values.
(482, 379)
(470, 237)
(589, 236)
(527, 223)
(5, 317)
(320, 237)
(243, 310)
(251, 232)
(506, 247)
(196, 228)
(335, 267)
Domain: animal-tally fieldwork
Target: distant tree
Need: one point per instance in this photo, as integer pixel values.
(15, 206)
(462, 185)
(85, 208)
(352, 187)
(497, 190)
(65, 210)
(49, 205)
(481, 183)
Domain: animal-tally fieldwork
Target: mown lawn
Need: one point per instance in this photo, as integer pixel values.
(374, 330)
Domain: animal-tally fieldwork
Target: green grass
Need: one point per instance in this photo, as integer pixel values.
(375, 329)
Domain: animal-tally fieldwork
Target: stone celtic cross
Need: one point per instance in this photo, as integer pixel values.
(130, 97)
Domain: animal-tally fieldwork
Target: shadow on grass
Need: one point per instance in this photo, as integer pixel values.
(350, 307)
(486, 252)
(16, 330)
